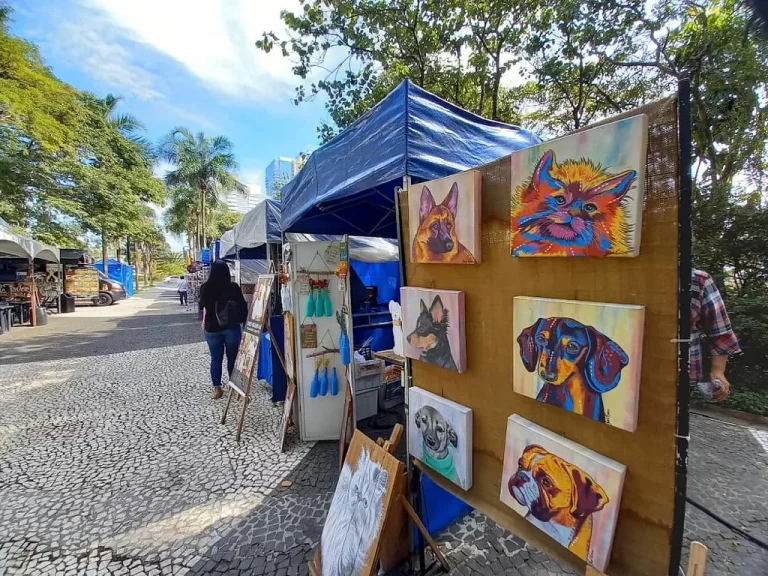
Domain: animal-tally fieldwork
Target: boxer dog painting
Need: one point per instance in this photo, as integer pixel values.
(566, 490)
(559, 496)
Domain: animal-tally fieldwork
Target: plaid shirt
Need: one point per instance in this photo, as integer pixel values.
(708, 317)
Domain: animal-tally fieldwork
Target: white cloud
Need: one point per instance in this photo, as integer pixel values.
(94, 46)
(214, 40)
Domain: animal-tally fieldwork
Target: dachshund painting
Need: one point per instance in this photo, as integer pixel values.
(577, 364)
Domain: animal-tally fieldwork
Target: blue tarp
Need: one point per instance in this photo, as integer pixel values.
(120, 272)
(347, 185)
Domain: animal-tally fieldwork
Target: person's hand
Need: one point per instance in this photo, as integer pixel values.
(725, 389)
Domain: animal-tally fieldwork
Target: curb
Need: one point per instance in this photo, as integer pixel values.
(738, 414)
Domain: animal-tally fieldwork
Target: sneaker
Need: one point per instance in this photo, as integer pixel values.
(216, 393)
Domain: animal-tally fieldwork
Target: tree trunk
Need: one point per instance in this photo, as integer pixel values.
(202, 217)
(104, 262)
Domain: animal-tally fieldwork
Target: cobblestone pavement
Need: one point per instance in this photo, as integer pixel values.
(728, 474)
(112, 462)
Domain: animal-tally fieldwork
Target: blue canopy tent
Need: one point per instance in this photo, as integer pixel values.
(347, 185)
(249, 237)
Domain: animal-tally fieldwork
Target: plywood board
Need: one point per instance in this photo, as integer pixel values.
(567, 491)
(440, 435)
(285, 421)
(644, 530)
(584, 357)
(445, 220)
(582, 194)
(361, 503)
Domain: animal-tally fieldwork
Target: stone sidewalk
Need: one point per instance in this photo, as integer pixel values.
(112, 462)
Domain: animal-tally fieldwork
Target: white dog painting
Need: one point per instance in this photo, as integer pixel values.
(354, 518)
(440, 435)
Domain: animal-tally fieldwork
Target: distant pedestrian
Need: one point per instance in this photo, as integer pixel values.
(183, 290)
(710, 319)
(224, 311)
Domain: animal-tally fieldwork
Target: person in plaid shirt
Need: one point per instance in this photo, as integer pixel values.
(709, 317)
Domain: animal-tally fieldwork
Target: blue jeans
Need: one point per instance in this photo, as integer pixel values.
(218, 342)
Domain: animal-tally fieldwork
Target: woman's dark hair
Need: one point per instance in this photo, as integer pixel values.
(219, 279)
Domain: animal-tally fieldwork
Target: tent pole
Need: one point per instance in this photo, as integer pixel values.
(32, 300)
(412, 472)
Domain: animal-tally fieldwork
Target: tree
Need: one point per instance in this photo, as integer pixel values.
(206, 165)
(716, 45)
(364, 48)
(221, 220)
(40, 118)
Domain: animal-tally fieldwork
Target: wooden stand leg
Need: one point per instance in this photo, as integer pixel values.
(697, 559)
(242, 414)
(226, 408)
(430, 541)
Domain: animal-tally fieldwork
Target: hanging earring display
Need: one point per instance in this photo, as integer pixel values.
(308, 335)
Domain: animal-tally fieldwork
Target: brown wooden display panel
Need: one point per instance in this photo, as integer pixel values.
(643, 537)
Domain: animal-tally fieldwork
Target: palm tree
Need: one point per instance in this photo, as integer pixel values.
(204, 164)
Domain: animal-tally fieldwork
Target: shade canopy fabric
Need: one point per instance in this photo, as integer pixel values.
(347, 185)
(261, 224)
(18, 246)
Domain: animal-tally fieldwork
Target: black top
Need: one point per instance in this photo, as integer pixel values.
(208, 301)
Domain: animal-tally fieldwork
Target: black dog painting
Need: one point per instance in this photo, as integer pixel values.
(433, 325)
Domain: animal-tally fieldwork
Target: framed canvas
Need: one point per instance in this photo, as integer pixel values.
(569, 492)
(440, 435)
(582, 194)
(364, 493)
(433, 327)
(444, 220)
(254, 323)
(584, 357)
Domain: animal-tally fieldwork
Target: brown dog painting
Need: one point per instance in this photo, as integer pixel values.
(444, 221)
(566, 490)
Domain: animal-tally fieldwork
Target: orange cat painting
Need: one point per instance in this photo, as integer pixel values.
(589, 203)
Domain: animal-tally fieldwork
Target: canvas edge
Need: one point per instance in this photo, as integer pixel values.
(461, 297)
(582, 302)
(640, 200)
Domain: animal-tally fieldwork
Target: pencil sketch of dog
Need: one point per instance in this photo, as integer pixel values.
(437, 438)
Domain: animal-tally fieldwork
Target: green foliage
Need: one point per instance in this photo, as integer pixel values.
(68, 164)
(221, 220)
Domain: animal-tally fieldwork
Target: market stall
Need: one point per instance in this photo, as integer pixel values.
(348, 187)
(30, 278)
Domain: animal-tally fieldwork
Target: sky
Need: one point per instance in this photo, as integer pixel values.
(181, 63)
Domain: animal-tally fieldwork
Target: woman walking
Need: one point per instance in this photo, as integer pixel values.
(224, 311)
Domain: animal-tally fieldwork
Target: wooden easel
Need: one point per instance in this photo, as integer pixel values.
(245, 395)
(390, 445)
(697, 562)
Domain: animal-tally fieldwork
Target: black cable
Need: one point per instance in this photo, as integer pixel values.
(724, 522)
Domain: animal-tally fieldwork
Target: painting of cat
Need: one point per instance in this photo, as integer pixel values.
(352, 529)
(580, 195)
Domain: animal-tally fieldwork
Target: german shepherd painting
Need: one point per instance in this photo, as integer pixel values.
(433, 322)
(445, 221)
